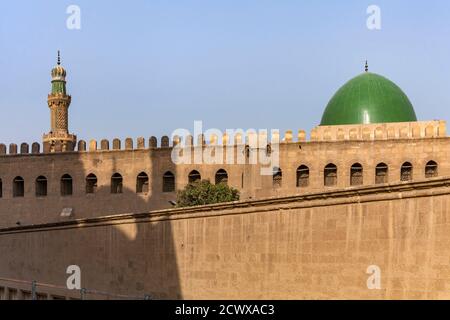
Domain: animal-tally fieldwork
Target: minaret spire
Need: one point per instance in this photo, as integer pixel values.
(59, 139)
(366, 68)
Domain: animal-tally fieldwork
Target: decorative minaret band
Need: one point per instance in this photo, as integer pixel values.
(59, 139)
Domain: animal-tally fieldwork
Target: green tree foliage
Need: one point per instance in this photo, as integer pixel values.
(204, 192)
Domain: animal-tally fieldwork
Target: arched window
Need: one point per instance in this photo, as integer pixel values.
(247, 151)
(142, 183)
(277, 177)
(381, 173)
(330, 175)
(116, 183)
(18, 187)
(1, 188)
(91, 183)
(431, 169)
(194, 176)
(302, 176)
(66, 185)
(356, 174)
(41, 186)
(221, 176)
(168, 182)
(406, 172)
(268, 150)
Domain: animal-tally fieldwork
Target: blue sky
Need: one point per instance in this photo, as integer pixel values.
(142, 68)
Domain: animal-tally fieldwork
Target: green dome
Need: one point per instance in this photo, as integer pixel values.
(368, 98)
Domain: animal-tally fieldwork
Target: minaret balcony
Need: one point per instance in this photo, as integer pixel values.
(63, 136)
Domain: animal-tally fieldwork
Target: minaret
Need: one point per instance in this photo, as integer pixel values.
(59, 138)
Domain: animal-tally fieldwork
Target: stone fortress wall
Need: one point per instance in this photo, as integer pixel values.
(311, 246)
(392, 144)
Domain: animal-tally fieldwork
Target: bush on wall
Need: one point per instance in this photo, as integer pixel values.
(204, 192)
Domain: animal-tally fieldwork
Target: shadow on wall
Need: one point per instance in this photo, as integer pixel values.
(126, 258)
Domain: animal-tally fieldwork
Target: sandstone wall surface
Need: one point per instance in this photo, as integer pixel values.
(312, 246)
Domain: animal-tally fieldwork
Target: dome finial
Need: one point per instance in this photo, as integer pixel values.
(59, 58)
(366, 67)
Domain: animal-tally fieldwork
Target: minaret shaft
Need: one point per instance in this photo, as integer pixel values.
(59, 112)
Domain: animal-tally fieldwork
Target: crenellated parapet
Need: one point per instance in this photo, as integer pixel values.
(381, 131)
(128, 144)
(13, 149)
(369, 132)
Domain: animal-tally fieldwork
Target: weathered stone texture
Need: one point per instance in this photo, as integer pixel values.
(295, 248)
